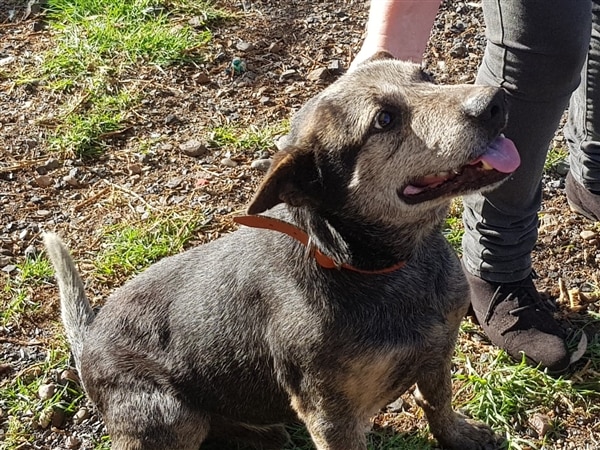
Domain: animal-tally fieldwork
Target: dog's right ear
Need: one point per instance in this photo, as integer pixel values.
(293, 179)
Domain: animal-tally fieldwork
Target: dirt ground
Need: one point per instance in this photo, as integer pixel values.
(285, 46)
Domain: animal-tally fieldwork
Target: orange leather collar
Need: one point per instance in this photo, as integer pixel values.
(270, 223)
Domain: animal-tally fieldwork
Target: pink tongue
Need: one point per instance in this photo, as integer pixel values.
(502, 155)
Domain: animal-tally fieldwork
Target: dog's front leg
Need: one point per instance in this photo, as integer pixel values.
(452, 430)
(329, 424)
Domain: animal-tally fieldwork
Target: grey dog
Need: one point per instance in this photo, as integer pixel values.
(326, 308)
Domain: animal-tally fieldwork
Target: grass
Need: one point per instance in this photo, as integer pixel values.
(127, 249)
(506, 395)
(17, 301)
(556, 157)
(453, 228)
(379, 440)
(250, 138)
(19, 398)
(100, 42)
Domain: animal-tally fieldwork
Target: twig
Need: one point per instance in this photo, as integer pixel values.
(9, 340)
(130, 192)
(21, 165)
(91, 199)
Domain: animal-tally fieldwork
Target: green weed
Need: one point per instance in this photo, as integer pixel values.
(555, 157)
(26, 410)
(251, 138)
(505, 395)
(453, 228)
(17, 301)
(97, 42)
(128, 249)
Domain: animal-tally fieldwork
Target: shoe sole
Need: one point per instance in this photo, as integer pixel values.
(577, 210)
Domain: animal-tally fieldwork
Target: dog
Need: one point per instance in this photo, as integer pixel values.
(337, 295)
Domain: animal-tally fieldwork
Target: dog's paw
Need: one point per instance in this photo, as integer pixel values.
(467, 434)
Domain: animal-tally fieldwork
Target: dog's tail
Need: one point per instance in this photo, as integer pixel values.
(76, 311)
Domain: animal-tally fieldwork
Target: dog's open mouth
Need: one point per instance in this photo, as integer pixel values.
(500, 159)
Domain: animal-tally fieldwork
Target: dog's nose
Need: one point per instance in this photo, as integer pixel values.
(488, 108)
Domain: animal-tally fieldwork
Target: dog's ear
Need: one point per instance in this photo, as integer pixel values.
(292, 179)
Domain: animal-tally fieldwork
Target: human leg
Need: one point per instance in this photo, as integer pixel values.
(583, 131)
(535, 53)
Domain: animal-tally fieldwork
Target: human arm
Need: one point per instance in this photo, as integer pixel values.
(400, 27)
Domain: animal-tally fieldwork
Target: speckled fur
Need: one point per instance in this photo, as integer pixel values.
(233, 338)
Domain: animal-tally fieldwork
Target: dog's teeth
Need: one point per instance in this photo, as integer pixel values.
(443, 174)
(486, 166)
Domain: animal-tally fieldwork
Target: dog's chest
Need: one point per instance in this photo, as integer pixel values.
(376, 378)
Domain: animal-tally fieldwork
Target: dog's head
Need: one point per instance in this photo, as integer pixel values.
(388, 144)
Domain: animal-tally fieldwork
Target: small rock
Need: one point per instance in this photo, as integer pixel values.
(334, 66)
(261, 164)
(229, 162)
(202, 78)
(25, 234)
(38, 25)
(588, 235)
(4, 261)
(34, 8)
(52, 164)
(459, 50)
(172, 119)
(174, 182)
(8, 60)
(193, 148)
(10, 268)
(318, 74)
(287, 74)
(44, 181)
(43, 213)
(81, 415)
(46, 391)
(72, 442)
(562, 168)
(4, 368)
(58, 418)
(45, 418)
(68, 375)
(244, 46)
(134, 169)
(265, 100)
(196, 22)
(30, 252)
(71, 180)
(541, 424)
(146, 158)
(48, 166)
(396, 407)
(275, 48)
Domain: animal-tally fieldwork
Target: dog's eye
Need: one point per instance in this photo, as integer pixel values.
(383, 119)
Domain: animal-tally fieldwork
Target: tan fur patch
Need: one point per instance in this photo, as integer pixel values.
(367, 382)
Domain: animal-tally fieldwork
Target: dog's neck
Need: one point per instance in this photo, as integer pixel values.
(366, 246)
(326, 262)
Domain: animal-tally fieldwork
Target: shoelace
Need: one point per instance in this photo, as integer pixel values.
(528, 299)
